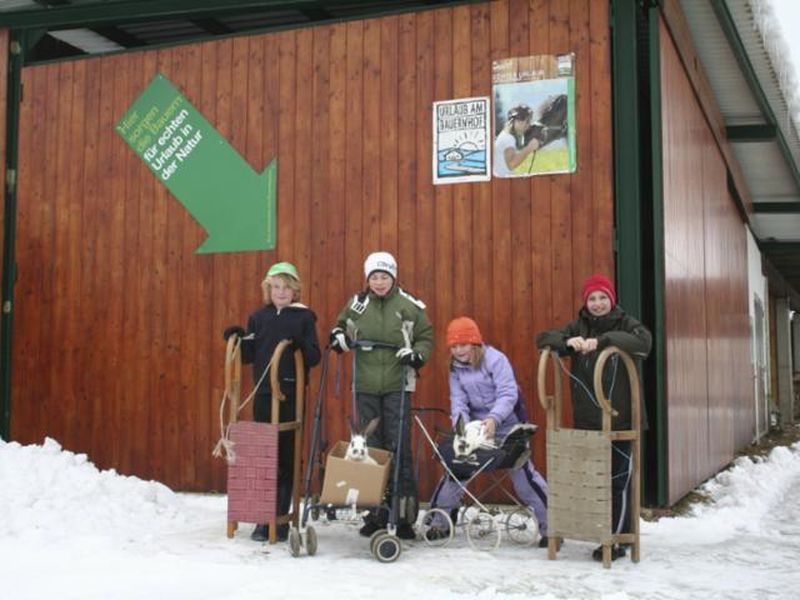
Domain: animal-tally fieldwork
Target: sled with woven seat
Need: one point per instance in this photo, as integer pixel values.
(579, 464)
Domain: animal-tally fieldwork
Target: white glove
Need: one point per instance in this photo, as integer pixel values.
(403, 352)
(339, 341)
(410, 358)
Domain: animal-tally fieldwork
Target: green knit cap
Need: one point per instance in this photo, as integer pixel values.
(285, 268)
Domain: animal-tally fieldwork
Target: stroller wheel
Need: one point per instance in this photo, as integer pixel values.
(438, 524)
(386, 548)
(373, 538)
(483, 533)
(466, 514)
(311, 541)
(522, 527)
(294, 541)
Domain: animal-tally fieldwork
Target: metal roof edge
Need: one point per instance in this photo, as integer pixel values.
(743, 53)
(126, 11)
(378, 11)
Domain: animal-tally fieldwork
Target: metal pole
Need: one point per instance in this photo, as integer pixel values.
(14, 89)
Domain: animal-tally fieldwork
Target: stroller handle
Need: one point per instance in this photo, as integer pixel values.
(369, 344)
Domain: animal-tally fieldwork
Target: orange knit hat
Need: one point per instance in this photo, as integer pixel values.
(463, 330)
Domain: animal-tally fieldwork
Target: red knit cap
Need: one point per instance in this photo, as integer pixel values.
(463, 330)
(599, 283)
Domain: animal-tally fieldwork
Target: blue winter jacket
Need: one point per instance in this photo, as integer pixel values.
(489, 391)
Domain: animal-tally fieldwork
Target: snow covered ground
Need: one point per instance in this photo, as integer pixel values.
(70, 531)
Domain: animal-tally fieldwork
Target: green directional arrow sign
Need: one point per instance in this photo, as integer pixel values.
(233, 203)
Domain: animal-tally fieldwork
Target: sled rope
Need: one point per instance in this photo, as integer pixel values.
(614, 360)
(224, 446)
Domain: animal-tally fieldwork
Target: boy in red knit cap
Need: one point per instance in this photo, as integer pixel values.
(600, 323)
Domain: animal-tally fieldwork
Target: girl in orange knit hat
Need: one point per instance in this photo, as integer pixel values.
(483, 388)
(600, 323)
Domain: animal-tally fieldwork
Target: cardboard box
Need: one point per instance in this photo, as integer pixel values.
(347, 482)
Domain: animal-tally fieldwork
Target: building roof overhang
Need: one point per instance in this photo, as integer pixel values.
(749, 84)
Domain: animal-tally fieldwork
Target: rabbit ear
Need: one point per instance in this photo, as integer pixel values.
(353, 428)
(460, 425)
(371, 427)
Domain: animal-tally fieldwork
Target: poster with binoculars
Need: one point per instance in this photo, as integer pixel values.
(534, 115)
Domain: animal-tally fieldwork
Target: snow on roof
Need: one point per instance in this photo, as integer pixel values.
(768, 25)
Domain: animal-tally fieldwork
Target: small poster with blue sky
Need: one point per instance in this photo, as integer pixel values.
(461, 131)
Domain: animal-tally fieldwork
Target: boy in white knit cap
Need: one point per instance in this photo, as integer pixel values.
(385, 313)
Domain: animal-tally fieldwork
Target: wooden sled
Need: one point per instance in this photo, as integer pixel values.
(579, 464)
(252, 475)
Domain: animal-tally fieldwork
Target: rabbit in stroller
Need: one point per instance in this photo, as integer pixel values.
(469, 438)
(357, 450)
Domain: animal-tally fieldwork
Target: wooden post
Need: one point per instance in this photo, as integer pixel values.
(634, 435)
(552, 404)
(296, 426)
(233, 390)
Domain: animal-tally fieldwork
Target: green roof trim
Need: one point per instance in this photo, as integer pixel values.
(626, 154)
(740, 53)
(776, 207)
(127, 11)
(14, 94)
(658, 357)
(752, 133)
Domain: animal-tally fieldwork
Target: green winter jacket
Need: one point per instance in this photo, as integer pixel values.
(384, 319)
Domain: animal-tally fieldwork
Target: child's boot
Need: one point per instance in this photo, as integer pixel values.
(373, 522)
(617, 551)
(260, 533)
(405, 531)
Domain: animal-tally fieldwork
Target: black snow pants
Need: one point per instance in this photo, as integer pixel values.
(262, 413)
(386, 436)
(621, 486)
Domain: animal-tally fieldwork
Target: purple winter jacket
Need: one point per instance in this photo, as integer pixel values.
(488, 391)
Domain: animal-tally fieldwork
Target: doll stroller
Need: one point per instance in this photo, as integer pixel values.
(363, 480)
(483, 523)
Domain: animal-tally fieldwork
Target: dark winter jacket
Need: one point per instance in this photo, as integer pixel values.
(384, 319)
(269, 326)
(614, 329)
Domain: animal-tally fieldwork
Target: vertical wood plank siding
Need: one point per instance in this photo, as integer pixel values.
(705, 253)
(119, 325)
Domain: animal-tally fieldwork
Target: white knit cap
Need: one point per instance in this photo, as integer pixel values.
(380, 261)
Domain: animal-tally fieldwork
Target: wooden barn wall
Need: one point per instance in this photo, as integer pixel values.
(709, 395)
(118, 344)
